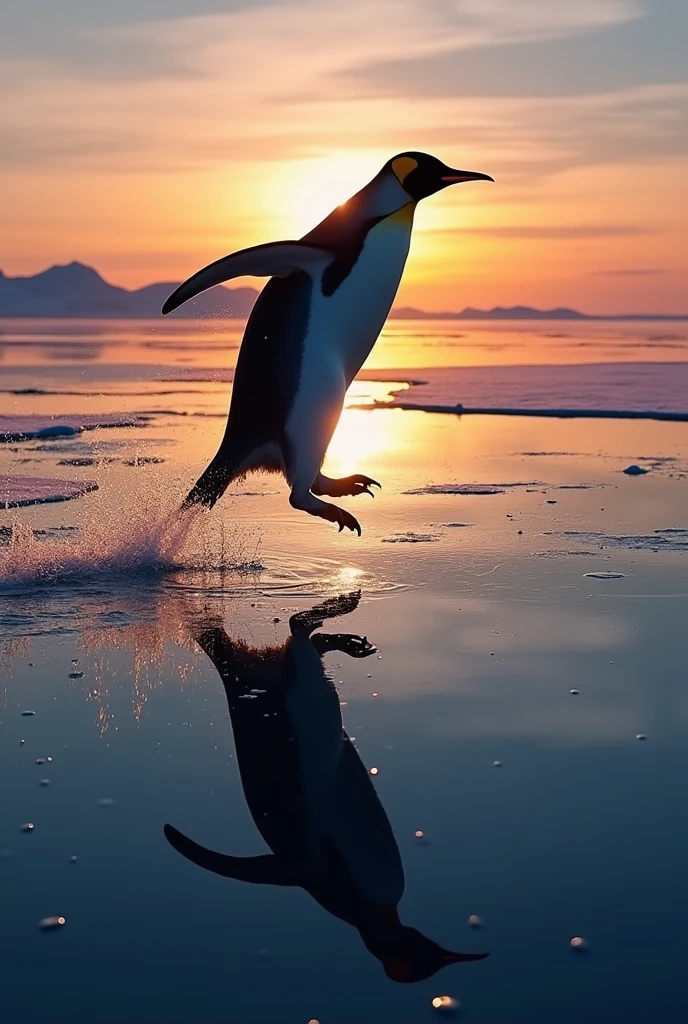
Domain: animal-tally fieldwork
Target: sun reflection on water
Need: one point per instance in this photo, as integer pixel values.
(359, 435)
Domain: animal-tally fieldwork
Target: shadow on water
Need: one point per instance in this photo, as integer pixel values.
(310, 796)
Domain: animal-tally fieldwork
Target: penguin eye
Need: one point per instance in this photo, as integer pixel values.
(403, 166)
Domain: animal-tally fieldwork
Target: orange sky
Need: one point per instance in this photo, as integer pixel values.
(150, 140)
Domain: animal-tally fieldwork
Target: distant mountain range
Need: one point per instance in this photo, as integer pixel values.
(75, 290)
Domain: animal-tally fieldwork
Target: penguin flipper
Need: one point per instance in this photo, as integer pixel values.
(265, 870)
(273, 259)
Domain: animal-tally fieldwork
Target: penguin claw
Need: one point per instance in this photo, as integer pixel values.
(346, 486)
(365, 483)
(342, 518)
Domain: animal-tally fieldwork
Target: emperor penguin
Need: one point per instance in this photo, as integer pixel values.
(309, 794)
(310, 331)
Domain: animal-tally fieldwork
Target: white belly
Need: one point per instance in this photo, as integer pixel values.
(349, 322)
(342, 330)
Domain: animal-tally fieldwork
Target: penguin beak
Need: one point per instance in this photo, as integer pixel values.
(454, 177)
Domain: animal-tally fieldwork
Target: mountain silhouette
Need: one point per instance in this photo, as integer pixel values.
(76, 290)
(496, 313)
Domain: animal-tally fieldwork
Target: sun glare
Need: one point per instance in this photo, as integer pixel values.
(359, 435)
(310, 189)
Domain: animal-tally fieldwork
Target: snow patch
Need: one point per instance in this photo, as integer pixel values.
(17, 491)
(22, 428)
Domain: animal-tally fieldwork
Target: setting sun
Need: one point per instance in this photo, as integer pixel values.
(307, 190)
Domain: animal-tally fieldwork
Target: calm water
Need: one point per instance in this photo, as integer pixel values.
(58, 345)
(175, 679)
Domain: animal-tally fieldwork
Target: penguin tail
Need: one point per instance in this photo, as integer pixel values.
(213, 483)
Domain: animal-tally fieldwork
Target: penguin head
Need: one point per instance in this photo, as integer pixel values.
(421, 175)
(411, 956)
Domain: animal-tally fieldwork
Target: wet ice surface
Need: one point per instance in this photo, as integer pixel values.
(670, 539)
(20, 428)
(483, 636)
(611, 388)
(17, 491)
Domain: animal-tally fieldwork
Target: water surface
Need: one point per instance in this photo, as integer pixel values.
(483, 616)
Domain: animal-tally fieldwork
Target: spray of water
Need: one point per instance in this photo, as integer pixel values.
(134, 541)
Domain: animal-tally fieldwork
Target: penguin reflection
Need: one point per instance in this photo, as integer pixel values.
(310, 796)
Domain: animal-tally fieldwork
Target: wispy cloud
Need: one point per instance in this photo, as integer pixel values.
(517, 232)
(189, 82)
(632, 272)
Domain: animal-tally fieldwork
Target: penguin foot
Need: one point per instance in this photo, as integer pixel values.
(324, 510)
(338, 515)
(346, 643)
(344, 486)
(331, 608)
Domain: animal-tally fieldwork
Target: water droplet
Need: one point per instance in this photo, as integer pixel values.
(577, 942)
(475, 922)
(22, 742)
(51, 923)
(28, 714)
(641, 736)
(445, 1004)
(497, 764)
(72, 860)
(44, 782)
(276, 619)
(419, 834)
(520, 531)
(40, 760)
(75, 661)
(574, 692)
(370, 675)
(28, 826)
(374, 771)
(76, 675)
(375, 695)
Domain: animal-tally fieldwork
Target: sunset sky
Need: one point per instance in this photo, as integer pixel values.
(149, 137)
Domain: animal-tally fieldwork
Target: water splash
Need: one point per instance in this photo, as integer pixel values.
(139, 541)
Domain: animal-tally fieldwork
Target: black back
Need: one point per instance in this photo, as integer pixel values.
(268, 368)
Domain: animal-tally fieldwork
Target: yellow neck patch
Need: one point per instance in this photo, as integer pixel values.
(402, 216)
(403, 166)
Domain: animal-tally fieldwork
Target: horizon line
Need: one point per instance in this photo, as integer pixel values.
(435, 314)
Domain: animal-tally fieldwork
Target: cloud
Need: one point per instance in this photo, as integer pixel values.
(616, 53)
(517, 232)
(129, 38)
(632, 272)
(275, 82)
